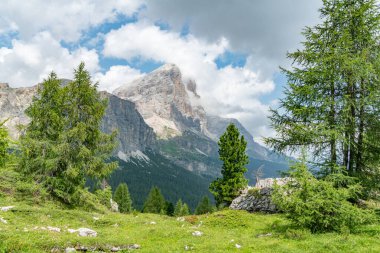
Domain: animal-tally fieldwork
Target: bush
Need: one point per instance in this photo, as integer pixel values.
(104, 196)
(319, 205)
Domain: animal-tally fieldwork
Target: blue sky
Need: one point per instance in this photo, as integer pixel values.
(232, 51)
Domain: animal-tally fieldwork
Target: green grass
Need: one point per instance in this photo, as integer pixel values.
(221, 231)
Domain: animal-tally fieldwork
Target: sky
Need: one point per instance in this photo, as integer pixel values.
(232, 49)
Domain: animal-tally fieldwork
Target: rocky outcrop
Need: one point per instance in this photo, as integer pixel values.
(133, 133)
(13, 102)
(163, 101)
(258, 198)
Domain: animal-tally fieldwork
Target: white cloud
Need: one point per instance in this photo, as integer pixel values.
(116, 76)
(27, 63)
(64, 19)
(227, 92)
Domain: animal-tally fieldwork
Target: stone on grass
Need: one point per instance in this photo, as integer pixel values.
(70, 250)
(197, 233)
(180, 219)
(3, 221)
(153, 223)
(6, 208)
(238, 246)
(114, 206)
(85, 232)
(54, 229)
(133, 246)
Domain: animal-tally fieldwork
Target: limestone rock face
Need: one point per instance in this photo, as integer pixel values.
(121, 115)
(13, 102)
(163, 101)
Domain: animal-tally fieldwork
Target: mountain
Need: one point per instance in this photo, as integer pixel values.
(186, 134)
(165, 136)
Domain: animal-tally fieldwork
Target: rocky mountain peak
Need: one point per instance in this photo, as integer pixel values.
(162, 99)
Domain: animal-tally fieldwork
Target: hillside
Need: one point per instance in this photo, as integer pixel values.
(35, 229)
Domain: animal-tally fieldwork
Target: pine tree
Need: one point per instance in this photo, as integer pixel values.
(63, 144)
(123, 198)
(155, 202)
(331, 104)
(204, 206)
(4, 145)
(185, 210)
(178, 208)
(232, 151)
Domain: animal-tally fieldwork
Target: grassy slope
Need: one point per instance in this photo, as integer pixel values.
(170, 235)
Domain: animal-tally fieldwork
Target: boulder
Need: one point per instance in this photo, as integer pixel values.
(258, 198)
(114, 206)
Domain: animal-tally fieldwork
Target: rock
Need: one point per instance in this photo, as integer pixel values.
(6, 208)
(258, 198)
(153, 223)
(71, 231)
(115, 249)
(54, 229)
(238, 246)
(264, 235)
(114, 206)
(2, 220)
(187, 247)
(181, 219)
(95, 218)
(85, 232)
(133, 246)
(70, 250)
(197, 233)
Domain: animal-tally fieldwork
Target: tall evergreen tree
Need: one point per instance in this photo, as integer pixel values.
(204, 206)
(123, 198)
(331, 104)
(232, 151)
(63, 144)
(155, 202)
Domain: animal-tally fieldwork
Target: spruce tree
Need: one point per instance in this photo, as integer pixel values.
(63, 144)
(204, 206)
(155, 202)
(178, 208)
(331, 104)
(232, 152)
(185, 210)
(123, 198)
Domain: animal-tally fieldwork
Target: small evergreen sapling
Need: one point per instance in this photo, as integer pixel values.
(123, 198)
(155, 202)
(204, 206)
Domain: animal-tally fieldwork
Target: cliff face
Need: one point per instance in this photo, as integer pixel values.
(133, 133)
(13, 103)
(121, 115)
(163, 101)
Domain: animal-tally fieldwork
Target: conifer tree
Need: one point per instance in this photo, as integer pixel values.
(232, 152)
(178, 208)
(185, 210)
(181, 209)
(123, 198)
(331, 104)
(204, 206)
(155, 202)
(63, 144)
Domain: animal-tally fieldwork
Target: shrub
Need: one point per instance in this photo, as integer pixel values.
(319, 205)
(104, 196)
(204, 206)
